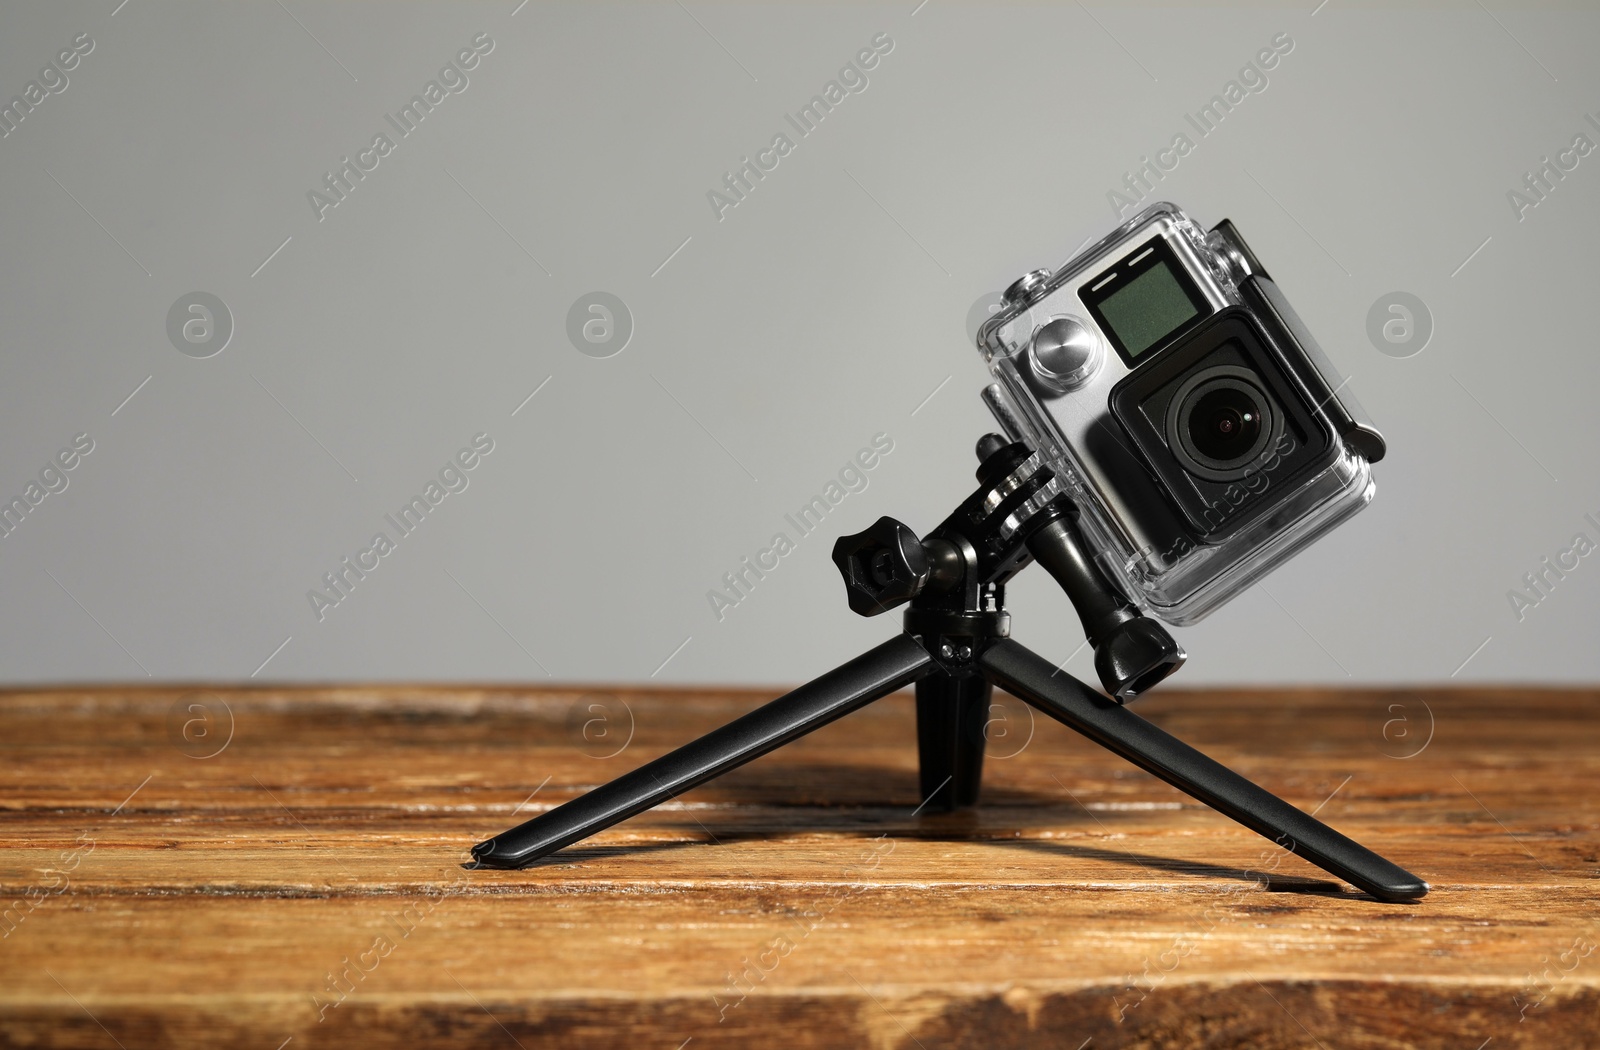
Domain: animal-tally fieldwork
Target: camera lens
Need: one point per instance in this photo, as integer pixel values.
(1220, 421)
(1224, 423)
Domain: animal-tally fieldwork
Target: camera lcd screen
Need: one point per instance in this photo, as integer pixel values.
(1143, 301)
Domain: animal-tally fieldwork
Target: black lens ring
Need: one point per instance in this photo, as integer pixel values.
(1221, 377)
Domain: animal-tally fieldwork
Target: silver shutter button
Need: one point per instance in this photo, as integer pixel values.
(1064, 354)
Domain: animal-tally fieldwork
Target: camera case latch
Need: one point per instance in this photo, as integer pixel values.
(1316, 372)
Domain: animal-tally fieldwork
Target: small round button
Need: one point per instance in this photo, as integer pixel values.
(1027, 288)
(1065, 354)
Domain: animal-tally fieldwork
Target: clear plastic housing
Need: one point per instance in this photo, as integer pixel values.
(1178, 579)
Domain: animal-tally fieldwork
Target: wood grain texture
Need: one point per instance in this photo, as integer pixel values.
(307, 883)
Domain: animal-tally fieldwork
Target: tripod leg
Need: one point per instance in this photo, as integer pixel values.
(951, 715)
(1033, 678)
(874, 674)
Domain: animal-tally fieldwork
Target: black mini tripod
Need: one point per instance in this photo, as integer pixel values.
(955, 648)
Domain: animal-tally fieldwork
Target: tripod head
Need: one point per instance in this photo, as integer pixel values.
(954, 578)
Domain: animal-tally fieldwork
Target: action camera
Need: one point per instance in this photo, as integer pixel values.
(1185, 409)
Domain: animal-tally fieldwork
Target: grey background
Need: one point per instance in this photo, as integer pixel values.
(824, 309)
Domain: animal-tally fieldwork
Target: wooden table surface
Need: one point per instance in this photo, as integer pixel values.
(271, 867)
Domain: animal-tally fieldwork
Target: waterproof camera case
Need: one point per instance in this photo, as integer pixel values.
(1183, 406)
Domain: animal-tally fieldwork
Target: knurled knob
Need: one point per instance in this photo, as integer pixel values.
(883, 566)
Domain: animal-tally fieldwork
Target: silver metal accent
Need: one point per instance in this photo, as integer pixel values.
(1027, 288)
(1065, 354)
(1017, 518)
(1238, 266)
(1000, 408)
(1011, 482)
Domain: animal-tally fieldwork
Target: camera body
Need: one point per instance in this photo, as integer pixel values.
(1184, 407)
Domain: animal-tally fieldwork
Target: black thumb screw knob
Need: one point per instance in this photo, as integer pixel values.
(883, 566)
